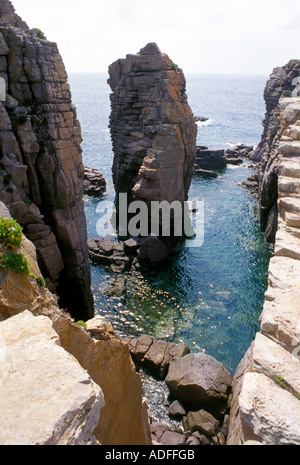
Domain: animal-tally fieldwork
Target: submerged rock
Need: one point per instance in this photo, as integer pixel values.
(210, 160)
(109, 253)
(94, 182)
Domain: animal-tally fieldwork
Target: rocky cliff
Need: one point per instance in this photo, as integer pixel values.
(266, 387)
(41, 170)
(152, 128)
(91, 370)
(280, 84)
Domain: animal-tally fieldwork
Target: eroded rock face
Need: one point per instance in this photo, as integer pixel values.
(41, 171)
(47, 397)
(279, 85)
(265, 405)
(152, 127)
(107, 360)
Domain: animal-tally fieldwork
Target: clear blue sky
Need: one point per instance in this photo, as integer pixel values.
(206, 36)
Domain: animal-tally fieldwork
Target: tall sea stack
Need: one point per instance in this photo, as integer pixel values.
(152, 127)
(41, 170)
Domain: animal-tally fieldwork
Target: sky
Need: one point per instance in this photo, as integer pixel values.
(201, 36)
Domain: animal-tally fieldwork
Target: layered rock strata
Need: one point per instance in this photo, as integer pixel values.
(152, 128)
(41, 170)
(33, 370)
(266, 400)
(103, 358)
(281, 82)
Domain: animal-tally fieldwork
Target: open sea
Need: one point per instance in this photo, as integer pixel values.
(210, 297)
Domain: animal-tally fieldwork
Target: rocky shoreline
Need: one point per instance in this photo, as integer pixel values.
(66, 378)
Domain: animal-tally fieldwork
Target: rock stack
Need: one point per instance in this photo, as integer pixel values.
(41, 170)
(153, 129)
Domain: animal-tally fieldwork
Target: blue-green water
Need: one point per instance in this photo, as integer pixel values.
(210, 297)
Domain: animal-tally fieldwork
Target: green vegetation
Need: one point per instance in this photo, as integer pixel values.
(81, 323)
(280, 381)
(41, 282)
(38, 33)
(15, 262)
(283, 383)
(11, 233)
(173, 66)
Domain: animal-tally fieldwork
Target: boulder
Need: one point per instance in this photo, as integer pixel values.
(108, 253)
(201, 421)
(47, 397)
(170, 438)
(269, 414)
(100, 328)
(177, 409)
(118, 287)
(94, 182)
(153, 251)
(157, 430)
(199, 380)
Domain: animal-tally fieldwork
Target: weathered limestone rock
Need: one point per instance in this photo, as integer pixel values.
(177, 409)
(47, 398)
(41, 170)
(265, 405)
(124, 419)
(273, 417)
(100, 328)
(279, 85)
(198, 380)
(274, 361)
(152, 128)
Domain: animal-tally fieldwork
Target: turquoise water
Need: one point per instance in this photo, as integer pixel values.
(209, 297)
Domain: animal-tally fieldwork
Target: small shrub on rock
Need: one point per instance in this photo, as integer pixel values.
(11, 233)
(15, 262)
